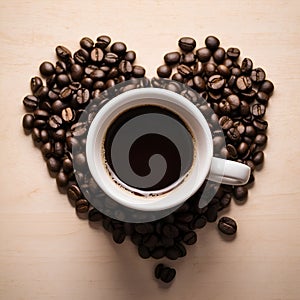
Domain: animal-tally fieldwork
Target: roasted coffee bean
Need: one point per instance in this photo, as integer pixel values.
(258, 75)
(143, 251)
(68, 114)
(242, 148)
(158, 270)
(98, 75)
(225, 200)
(260, 124)
(47, 69)
(172, 253)
(28, 121)
(170, 231)
(187, 44)
(125, 67)
(258, 110)
(236, 71)
(130, 56)
(76, 72)
(119, 236)
(224, 107)
(219, 55)
(266, 87)
(63, 53)
(233, 134)
(232, 151)
(198, 83)
(82, 205)
(74, 193)
(223, 71)
(86, 43)
(232, 81)
(83, 96)
(81, 56)
(62, 80)
(198, 222)
(190, 238)
(119, 48)
(233, 101)
(150, 240)
(233, 53)
(258, 157)
(209, 69)
(260, 139)
(243, 83)
(203, 54)
(67, 165)
(53, 164)
(225, 122)
(42, 93)
(138, 72)
(144, 228)
(188, 58)
(111, 58)
(30, 103)
(240, 127)
(227, 226)
(62, 179)
(45, 105)
(35, 83)
(97, 55)
(167, 274)
(240, 192)
(87, 83)
(36, 135)
(158, 253)
(216, 82)
(164, 71)
(59, 149)
(250, 131)
(184, 70)
(47, 150)
(103, 41)
(55, 121)
(41, 114)
(95, 215)
(246, 66)
(244, 108)
(172, 58)
(262, 98)
(212, 43)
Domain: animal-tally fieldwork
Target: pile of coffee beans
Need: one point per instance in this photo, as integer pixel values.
(237, 92)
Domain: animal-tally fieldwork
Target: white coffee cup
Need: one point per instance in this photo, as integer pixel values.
(205, 166)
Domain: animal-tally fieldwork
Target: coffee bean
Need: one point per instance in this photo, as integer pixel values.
(167, 274)
(240, 192)
(219, 55)
(209, 69)
(258, 110)
(68, 114)
(164, 71)
(233, 101)
(63, 53)
(62, 179)
(211, 214)
(158, 270)
(187, 44)
(74, 193)
(244, 108)
(223, 71)
(172, 58)
(76, 72)
(216, 82)
(95, 215)
(232, 81)
(130, 56)
(97, 55)
(172, 253)
(240, 127)
(67, 165)
(260, 124)
(35, 83)
(30, 103)
(97, 75)
(266, 87)
(212, 43)
(262, 98)
(47, 150)
(83, 96)
(82, 205)
(42, 93)
(143, 251)
(224, 107)
(184, 70)
(260, 139)
(236, 71)
(62, 80)
(188, 58)
(103, 41)
(233, 134)
(225, 122)
(119, 48)
(158, 253)
(242, 148)
(190, 238)
(243, 83)
(41, 114)
(233, 53)
(28, 121)
(227, 225)
(125, 67)
(232, 151)
(47, 69)
(170, 231)
(55, 121)
(258, 157)
(53, 164)
(203, 54)
(150, 240)
(258, 75)
(119, 236)
(86, 43)
(246, 66)
(225, 200)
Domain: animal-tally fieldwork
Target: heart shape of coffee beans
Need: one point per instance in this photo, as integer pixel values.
(237, 92)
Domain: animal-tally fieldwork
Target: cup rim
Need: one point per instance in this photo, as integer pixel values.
(137, 96)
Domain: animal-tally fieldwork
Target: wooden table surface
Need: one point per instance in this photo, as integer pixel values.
(47, 252)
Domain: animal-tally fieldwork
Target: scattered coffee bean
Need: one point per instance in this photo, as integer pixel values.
(203, 54)
(212, 43)
(164, 71)
(187, 44)
(227, 226)
(240, 192)
(167, 274)
(233, 53)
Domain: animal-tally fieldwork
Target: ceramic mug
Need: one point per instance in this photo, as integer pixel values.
(204, 165)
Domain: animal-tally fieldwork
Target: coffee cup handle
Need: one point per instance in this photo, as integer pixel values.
(228, 172)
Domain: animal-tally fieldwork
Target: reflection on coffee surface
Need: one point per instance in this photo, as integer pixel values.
(148, 147)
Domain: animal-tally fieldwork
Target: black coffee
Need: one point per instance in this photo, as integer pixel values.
(149, 147)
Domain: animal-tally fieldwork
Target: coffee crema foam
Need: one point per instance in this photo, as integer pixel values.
(148, 150)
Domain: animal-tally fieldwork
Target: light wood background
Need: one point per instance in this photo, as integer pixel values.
(47, 252)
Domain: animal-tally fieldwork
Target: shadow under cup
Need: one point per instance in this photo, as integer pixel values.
(192, 174)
